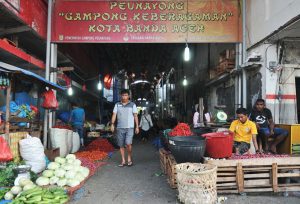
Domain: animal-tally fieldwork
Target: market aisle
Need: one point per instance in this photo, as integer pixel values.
(137, 184)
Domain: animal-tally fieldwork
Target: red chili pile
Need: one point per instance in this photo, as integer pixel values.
(100, 144)
(93, 155)
(182, 129)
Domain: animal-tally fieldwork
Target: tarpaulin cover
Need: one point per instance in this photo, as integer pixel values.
(10, 68)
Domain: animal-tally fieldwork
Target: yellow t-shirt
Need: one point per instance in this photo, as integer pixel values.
(243, 131)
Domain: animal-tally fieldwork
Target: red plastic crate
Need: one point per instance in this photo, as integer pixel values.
(219, 144)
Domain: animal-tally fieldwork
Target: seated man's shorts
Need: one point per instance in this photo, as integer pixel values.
(277, 132)
(125, 136)
(242, 146)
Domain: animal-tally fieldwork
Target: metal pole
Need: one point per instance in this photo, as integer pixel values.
(7, 114)
(47, 72)
(162, 97)
(244, 56)
(53, 64)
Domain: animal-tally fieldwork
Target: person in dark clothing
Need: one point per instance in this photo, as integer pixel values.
(263, 118)
(77, 120)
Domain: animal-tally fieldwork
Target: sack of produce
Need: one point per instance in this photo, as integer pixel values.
(32, 151)
(70, 141)
(76, 142)
(59, 140)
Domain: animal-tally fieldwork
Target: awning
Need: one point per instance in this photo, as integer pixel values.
(16, 70)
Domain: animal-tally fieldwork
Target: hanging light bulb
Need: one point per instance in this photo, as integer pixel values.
(184, 82)
(70, 91)
(187, 53)
(99, 85)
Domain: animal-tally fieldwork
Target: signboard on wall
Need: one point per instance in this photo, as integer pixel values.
(146, 21)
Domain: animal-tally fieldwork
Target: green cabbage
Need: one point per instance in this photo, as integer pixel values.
(53, 166)
(62, 182)
(53, 180)
(60, 173)
(48, 173)
(71, 156)
(60, 160)
(72, 182)
(42, 181)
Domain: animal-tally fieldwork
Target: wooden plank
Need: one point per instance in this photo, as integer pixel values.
(226, 184)
(262, 175)
(288, 167)
(226, 169)
(227, 191)
(256, 162)
(274, 177)
(257, 182)
(225, 174)
(284, 189)
(222, 179)
(258, 168)
(288, 174)
(288, 184)
(253, 190)
(240, 177)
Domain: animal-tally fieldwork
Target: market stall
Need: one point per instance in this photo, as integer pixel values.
(23, 114)
(27, 174)
(249, 172)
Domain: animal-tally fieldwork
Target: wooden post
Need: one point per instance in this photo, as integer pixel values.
(274, 177)
(240, 177)
(7, 115)
(201, 114)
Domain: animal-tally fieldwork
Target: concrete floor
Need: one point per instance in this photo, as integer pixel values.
(139, 184)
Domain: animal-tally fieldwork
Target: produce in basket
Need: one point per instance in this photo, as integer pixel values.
(181, 129)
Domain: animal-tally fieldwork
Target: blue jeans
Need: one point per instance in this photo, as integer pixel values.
(79, 130)
(277, 132)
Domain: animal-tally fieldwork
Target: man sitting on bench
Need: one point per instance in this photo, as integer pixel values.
(262, 116)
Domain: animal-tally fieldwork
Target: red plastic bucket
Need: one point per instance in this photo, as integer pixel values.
(219, 144)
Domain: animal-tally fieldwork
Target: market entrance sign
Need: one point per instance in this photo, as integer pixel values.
(166, 21)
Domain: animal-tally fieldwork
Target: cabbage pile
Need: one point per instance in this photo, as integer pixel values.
(64, 172)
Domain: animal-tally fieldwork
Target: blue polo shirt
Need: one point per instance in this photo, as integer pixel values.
(77, 116)
(125, 114)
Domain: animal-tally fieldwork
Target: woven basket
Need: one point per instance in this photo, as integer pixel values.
(14, 144)
(197, 183)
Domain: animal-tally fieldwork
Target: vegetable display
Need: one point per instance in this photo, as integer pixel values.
(64, 172)
(181, 129)
(7, 176)
(24, 185)
(42, 196)
(101, 145)
(93, 155)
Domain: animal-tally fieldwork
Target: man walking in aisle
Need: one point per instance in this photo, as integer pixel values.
(125, 112)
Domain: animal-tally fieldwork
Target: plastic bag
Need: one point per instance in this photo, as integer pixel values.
(5, 153)
(32, 151)
(50, 101)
